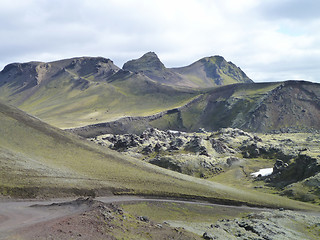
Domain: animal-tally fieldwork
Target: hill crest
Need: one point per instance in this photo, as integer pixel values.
(206, 72)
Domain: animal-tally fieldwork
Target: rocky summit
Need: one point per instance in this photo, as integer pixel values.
(207, 72)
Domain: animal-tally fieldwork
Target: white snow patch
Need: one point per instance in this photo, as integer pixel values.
(264, 172)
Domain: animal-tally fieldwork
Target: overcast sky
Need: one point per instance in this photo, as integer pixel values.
(270, 40)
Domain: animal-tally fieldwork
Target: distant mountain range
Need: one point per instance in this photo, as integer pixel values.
(210, 93)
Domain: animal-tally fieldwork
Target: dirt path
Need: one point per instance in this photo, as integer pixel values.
(15, 215)
(18, 214)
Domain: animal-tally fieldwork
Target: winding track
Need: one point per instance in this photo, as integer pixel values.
(16, 214)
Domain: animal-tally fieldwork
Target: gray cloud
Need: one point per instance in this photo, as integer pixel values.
(297, 10)
(265, 38)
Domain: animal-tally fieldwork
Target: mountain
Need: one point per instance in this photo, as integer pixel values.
(81, 91)
(205, 73)
(38, 160)
(86, 90)
(290, 106)
(23, 76)
(213, 71)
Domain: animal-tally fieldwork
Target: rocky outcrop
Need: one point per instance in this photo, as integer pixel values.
(199, 154)
(220, 147)
(265, 226)
(195, 145)
(253, 150)
(148, 62)
(98, 67)
(302, 167)
(279, 167)
(22, 76)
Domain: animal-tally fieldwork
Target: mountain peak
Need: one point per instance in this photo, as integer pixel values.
(98, 66)
(147, 62)
(216, 66)
(150, 54)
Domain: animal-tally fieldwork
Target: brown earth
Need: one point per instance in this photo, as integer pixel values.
(82, 219)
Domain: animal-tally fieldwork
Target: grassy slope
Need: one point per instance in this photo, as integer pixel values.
(38, 160)
(65, 102)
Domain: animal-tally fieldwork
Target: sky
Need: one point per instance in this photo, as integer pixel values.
(270, 40)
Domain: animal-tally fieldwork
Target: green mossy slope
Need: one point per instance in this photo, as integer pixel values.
(38, 160)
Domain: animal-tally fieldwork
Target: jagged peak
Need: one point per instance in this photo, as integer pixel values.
(217, 59)
(149, 61)
(67, 61)
(82, 60)
(150, 54)
(21, 66)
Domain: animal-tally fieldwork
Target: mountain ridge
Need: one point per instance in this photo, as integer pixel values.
(149, 64)
(206, 72)
(289, 106)
(83, 91)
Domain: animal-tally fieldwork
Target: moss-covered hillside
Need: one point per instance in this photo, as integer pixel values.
(38, 160)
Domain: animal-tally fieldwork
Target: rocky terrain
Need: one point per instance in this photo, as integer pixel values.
(296, 169)
(268, 225)
(198, 154)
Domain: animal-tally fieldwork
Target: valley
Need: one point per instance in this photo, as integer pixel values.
(140, 140)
